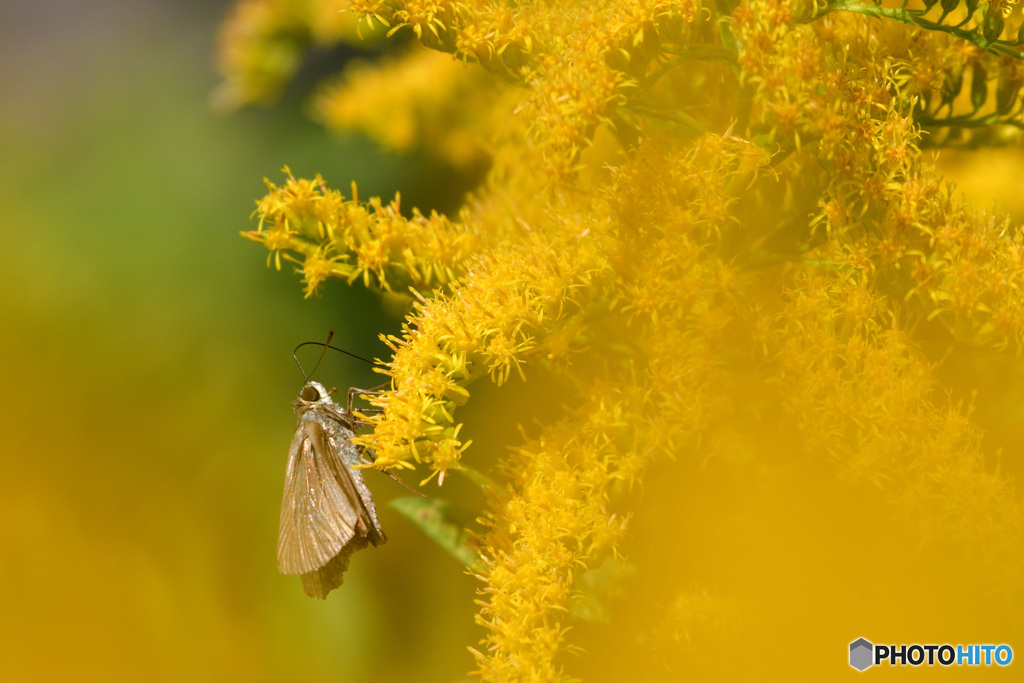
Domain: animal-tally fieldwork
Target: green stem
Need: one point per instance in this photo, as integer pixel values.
(687, 124)
(916, 18)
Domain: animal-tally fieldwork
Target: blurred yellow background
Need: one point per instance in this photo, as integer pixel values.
(147, 384)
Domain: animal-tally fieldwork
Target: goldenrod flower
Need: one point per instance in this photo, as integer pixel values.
(718, 231)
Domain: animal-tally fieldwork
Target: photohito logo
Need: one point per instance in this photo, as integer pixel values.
(863, 655)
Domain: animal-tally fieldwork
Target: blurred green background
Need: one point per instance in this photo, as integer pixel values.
(148, 375)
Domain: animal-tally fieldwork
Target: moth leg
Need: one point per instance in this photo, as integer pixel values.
(367, 457)
(371, 411)
(404, 485)
(364, 411)
(353, 392)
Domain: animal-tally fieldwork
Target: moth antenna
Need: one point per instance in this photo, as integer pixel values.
(326, 345)
(295, 352)
(347, 353)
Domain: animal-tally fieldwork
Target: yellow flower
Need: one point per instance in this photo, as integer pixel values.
(715, 238)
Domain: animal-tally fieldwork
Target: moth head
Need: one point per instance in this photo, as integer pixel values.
(313, 392)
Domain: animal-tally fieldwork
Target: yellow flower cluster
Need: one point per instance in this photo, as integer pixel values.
(326, 232)
(507, 304)
(577, 60)
(718, 231)
(552, 527)
(889, 216)
(446, 107)
(861, 395)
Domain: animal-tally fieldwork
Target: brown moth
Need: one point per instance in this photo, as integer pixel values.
(327, 512)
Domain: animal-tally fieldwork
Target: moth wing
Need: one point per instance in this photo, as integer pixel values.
(366, 526)
(317, 584)
(351, 480)
(320, 510)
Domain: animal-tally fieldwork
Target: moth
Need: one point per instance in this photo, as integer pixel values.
(327, 511)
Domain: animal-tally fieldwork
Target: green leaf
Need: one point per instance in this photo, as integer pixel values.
(992, 25)
(947, 7)
(725, 8)
(1006, 95)
(972, 6)
(442, 522)
(979, 86)
(952, 84)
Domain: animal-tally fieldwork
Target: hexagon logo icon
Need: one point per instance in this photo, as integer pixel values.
(861, 654)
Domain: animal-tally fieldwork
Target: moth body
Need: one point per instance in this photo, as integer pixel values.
(327, 512)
